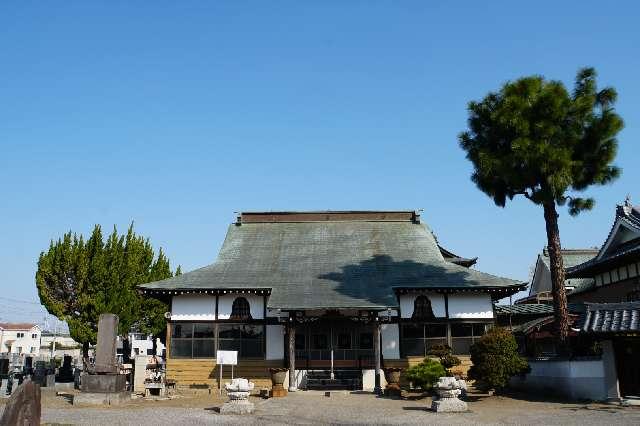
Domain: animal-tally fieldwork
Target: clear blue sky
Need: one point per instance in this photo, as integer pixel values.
(176, 114)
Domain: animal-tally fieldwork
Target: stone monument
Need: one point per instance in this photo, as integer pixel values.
(449, 389)
(238, 392)
(103, 384)
(24, 406)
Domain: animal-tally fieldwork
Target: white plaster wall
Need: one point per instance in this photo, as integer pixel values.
(576, 379)
(273, 313)
(470, 306)
(437, 304)
(275, 342)
(225, 303)
(369, 380)
(390, 341)
(193, 308)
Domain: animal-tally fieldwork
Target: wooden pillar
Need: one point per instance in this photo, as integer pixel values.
(376, 349)
(292, 358)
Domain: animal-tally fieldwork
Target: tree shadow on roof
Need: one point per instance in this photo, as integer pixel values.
(374, 280)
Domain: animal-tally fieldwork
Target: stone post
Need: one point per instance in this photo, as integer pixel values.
(292, 358)
(376, 349)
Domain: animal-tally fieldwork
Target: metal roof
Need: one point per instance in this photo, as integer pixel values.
(323, 263)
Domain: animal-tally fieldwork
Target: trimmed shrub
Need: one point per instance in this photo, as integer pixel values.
(445, 354)
(425, 374)
(495, 360)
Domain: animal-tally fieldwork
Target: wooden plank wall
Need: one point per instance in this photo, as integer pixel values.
(194, 373)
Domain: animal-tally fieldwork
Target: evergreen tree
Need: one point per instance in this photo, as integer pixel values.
(78, 281)
(534, 138)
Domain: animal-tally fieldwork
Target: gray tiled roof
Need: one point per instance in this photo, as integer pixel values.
(571, 258)
(531, 309)
(334, 264)
(611, 317)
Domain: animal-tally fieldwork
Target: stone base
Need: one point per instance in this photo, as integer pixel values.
(449, 405)
(278, 392)
(101, 398)
(103, 383)
(238, 406)
(393, 390)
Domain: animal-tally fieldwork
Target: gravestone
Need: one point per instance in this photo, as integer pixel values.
(4, 376)
(65, 374)
(106, 348)
(24, 406)
(27, 367)
(40, 373)
(4, 367)
(103, 385)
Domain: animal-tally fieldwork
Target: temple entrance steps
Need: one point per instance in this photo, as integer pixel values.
(343, 379)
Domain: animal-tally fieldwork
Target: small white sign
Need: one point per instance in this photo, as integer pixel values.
(227, 358)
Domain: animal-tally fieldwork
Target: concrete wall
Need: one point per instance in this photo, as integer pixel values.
(569, 379)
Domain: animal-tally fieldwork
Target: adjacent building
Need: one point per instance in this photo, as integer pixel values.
(20, 338)
(604, 317)
(342, 293)
(540, 287)
(57, 345)
(615, 270)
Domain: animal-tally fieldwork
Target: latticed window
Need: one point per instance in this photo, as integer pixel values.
(422, 309)
(240, 310)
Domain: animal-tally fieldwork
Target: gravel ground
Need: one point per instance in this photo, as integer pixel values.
(340, 408)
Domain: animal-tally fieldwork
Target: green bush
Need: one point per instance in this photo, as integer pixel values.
(425, 374)
(445, 354)
(495, 360)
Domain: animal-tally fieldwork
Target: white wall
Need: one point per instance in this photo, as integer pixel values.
(225, 303)
(571, 379)
(190, 307)
(27, 344)
(436, 299)
(390, 341)
(470, 306)
(275, 342)
(369, 380)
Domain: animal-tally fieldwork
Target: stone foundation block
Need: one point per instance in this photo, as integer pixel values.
(101, 398)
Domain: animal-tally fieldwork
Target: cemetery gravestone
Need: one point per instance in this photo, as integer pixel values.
(65, 374)
(104, 385)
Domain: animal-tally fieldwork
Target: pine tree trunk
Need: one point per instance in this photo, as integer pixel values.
(557, 273)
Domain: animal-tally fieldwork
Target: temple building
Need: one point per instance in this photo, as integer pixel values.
(332, 296)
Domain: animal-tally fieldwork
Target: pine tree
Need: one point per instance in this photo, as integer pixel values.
(78, 281)
(534, 138)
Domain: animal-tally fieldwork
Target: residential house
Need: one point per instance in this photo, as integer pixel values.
(20, 338)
